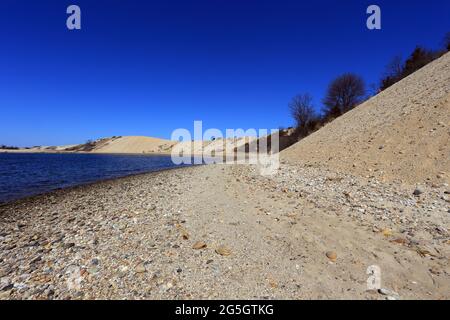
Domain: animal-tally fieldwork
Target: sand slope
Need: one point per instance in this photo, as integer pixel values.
(401, 134)
(135, 144)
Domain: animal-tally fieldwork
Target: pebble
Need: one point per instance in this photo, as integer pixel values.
(140, 268)
(6, 284)
(331, 255)
(223, 251)
(199, 245)
(418, 191)
(387, 292)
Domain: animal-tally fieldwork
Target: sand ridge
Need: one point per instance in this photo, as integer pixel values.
(401, 134)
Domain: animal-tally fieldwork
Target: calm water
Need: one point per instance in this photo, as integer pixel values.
(29, 174)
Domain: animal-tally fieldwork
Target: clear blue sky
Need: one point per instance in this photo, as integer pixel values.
(148, 67)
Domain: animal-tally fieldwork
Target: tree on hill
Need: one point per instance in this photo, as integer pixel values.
(302, 110)
(419, 58)
(393, 73)
(343, 94)
(396, 70)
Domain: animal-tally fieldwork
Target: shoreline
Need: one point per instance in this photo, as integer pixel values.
(79, 152)
(89, 184)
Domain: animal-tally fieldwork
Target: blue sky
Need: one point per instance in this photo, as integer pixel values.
(149, 67)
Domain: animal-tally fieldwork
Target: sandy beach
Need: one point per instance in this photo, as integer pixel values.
(223, 231)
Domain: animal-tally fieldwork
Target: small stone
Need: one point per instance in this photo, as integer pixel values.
(331, 255)
(223, 251)
(387, 292)
(418, 191)
(6, 284)
(140, 268)
(199, 245)
(69, 245)
(185, 235)
(169, 285)
(401, 241)
(93, 270)
(435, 271)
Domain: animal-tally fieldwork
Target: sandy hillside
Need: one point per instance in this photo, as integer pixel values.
(401, 134)
(135, 144)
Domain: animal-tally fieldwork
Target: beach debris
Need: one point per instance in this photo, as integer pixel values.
(331, 255)
(199, 245)
(423, 252)
(387, 232)
(387, 292)
(401, 241)
(223, 251)
(140, 268)
(418, 191)
(184, 233)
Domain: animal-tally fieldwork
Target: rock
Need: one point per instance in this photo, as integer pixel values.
(69, 245)
(93, 269)
(387, 292)
(435, 271)
(185, 235)
(331, 255)
(401, 241)
(418, 191)
(6, 284)
(223, 251)
(441, 230)
(199, 245)
(140, 268)
(36, 259)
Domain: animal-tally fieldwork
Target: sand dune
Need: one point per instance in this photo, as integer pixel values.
(135, 144)
(401, 134)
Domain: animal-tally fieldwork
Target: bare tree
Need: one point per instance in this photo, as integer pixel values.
(393, 73)
(302, 110)
(419, 58)
(344, 93)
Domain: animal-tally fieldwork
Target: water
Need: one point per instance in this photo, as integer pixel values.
(26, 174)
